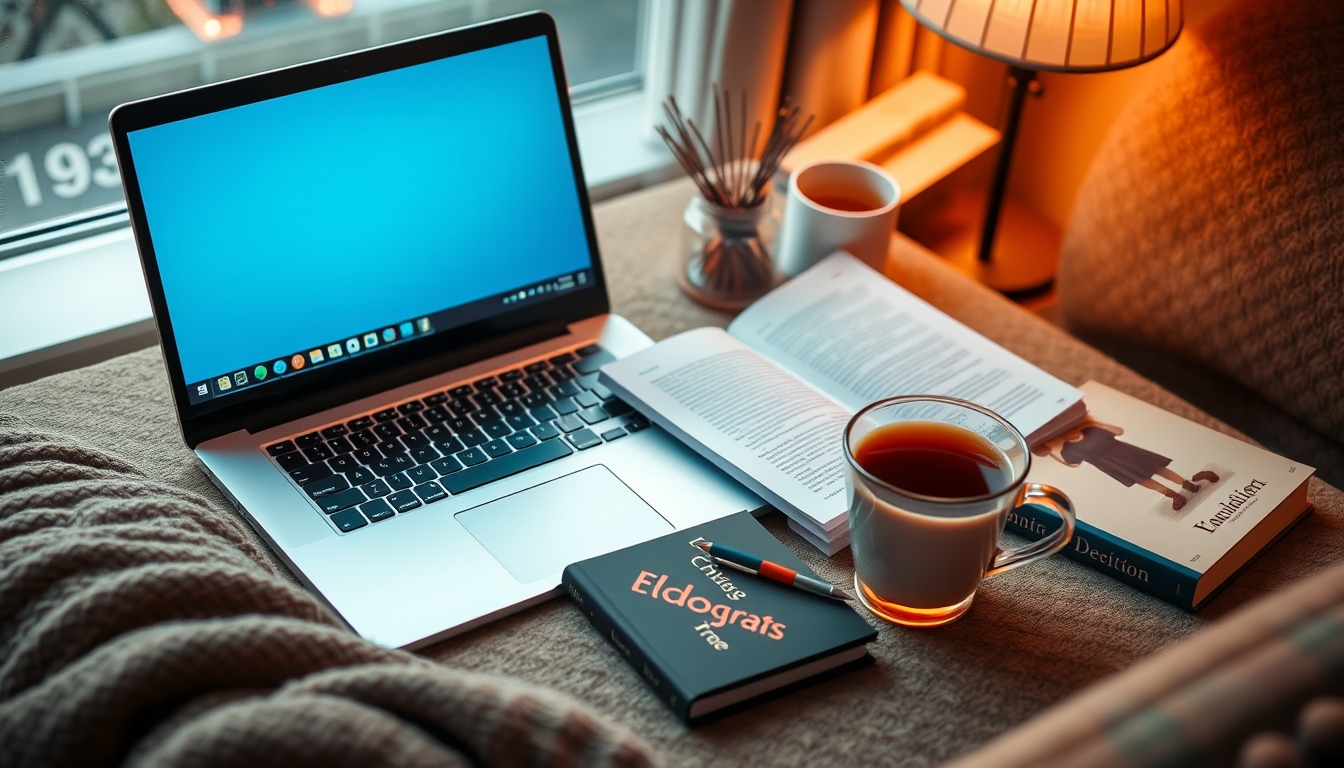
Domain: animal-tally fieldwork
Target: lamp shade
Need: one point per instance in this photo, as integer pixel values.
(1056, 35)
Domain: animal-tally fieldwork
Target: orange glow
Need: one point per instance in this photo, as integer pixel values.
(328, 8)
(204, 24)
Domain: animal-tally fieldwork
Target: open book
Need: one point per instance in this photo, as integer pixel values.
(767, 400)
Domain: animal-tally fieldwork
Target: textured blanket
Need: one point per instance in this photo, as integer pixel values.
(139, 627)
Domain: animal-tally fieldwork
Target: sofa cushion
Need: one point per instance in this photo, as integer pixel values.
(1210, 225)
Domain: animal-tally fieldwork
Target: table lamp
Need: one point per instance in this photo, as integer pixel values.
(1052, 36)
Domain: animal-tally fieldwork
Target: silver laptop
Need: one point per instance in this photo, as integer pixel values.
(377, 285)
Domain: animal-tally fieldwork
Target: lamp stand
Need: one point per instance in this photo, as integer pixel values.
(1029, 271)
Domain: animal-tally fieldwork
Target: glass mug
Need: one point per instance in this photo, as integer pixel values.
(919, 559)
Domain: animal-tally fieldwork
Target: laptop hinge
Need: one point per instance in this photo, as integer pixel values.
(308, 404)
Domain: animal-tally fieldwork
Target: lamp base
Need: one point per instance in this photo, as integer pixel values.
(1026, 250)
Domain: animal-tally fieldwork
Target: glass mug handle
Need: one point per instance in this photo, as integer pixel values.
(1045, 496)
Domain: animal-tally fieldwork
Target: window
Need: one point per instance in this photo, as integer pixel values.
(64, 64)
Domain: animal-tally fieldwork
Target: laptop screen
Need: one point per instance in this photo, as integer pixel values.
(303, 231)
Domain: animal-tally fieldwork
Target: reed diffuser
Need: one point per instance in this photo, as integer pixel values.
(730, 225)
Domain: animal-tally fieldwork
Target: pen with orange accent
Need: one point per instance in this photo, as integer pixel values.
(742, 561)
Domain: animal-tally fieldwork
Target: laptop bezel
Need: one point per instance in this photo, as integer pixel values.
(320, 388)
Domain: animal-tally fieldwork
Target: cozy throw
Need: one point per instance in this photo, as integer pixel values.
(139, 626)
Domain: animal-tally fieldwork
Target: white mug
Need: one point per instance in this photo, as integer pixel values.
(835, 204)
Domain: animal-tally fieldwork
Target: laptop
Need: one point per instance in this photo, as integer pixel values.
(377, 286)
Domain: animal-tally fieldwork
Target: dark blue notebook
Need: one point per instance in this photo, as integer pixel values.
(708, 639)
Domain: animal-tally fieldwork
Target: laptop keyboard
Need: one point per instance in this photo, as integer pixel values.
(396, 459)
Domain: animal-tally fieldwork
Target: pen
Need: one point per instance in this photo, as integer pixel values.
(773, 571)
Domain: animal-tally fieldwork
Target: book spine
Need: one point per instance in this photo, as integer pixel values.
(1112, 556)
(590, 601)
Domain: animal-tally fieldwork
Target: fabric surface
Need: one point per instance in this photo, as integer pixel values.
(1196, 703)
(1034, 635)
(1211, 223)
(140, 626)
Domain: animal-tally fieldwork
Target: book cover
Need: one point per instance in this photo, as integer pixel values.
(1163, 504)
(708, 639)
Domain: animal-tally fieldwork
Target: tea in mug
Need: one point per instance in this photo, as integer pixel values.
(933, 459)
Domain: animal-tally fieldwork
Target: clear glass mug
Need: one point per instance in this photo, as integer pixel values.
(918, 559)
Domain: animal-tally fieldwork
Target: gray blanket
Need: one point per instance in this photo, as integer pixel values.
(138, 626)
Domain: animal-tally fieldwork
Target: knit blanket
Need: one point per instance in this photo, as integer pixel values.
(139, 627)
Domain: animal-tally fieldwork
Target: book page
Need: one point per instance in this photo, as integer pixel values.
(762, 425)
(859, 337)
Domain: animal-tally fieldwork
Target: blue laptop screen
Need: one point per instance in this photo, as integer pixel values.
(304, 230)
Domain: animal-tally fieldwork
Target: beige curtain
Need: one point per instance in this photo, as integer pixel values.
(843, 52)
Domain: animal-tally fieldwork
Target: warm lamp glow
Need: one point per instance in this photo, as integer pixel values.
(329, 8)
(1056, 35)
(203, 23)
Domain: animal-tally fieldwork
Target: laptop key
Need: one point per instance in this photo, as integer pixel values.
(424, 455)
(390, 448)
(360, 476)
(584, 439)
(387, 414)
(438, 398)
(617, 407)
(636, 424)
(461, 391)
(562, 358)
(565, 389)
(366, 455)
(285, 446)
(586, 351)
(445, 466)
(349, 520)
(536, 400)
(562, 374)
(462, 425)
(319, 452)
(473, 438)
(486, 383)
(376, 489)
(307, 474)
(404, 501)
(483, 417)
(436, 414)
(323, 486)
(511, 375)
(411, 422)
(472, 456)
(593, 415)
(399, 481)
(462, 407)
(363, 422)
(377, 510)
(510, 408)
(545, 431)
(587, 381)
(591, 363)
(342, 500)
(569, 423)
(342, 464)
(414, 440)
(536, 367)
(411, 407)
(391, 465)
(521, 421)
(496, 429)
(518, 461)
(335, 430)
(310, 439)
(543, 413)
(421, 474)
(601, 391)
(587, 399)
(430, 492)
(496, 448)
(537, 382)
(613, 434)
(449, 445)
(437, 432)
(486, 397)
(363, 439)
(520, 440)
(565, 406)
(291, 461)
(512, 390)
(386, 430)
(340, 445)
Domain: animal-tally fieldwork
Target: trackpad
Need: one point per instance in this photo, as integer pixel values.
(537, 532)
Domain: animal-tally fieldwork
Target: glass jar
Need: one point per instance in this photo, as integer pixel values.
(727, 253)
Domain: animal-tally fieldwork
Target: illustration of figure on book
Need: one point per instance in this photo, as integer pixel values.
(1095, 443)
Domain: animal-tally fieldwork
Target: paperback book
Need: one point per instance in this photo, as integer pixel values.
(767, 400)
(1163, 504)
(708, 639)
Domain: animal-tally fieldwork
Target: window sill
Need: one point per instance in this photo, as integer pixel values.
(84, 301)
